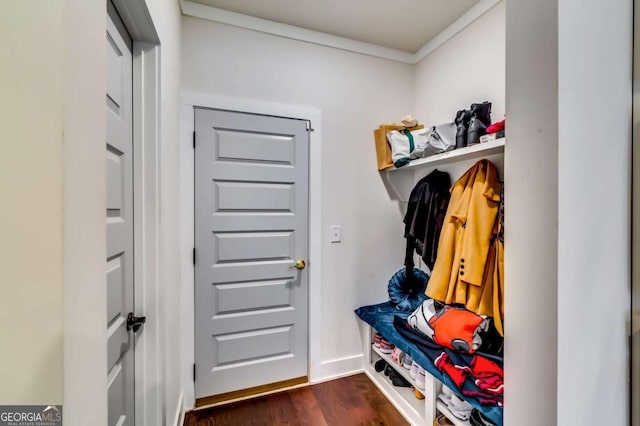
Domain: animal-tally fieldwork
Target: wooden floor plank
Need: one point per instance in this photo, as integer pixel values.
(340, 402)
(348, 401)
(282, 409)
(307, 408)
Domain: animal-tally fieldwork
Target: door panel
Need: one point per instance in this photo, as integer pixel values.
(251, 195)
(119, 217)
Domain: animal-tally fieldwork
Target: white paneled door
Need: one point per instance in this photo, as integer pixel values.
(121, 323)
(251, 239)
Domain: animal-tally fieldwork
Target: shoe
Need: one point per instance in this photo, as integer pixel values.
(387, 369)
(407, 362)
(376, 340)
(418, 394)
(459, 408)
(480, 120)
(420, 378)
(414, 370)
(380, 365)
(445, 395)
(397, 380)
(462, 123)
(442, 421)
(478, 419)
(385, 346)
(397, 355)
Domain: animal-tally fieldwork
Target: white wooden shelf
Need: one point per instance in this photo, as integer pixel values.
(396, 395)
(399, 368)
(403, 399)
(401, 180)
(442, 408)
(415, 411)
(471, 152)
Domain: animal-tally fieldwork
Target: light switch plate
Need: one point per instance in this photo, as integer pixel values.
(336, 234)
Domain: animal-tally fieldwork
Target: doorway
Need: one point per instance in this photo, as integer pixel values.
(134, 392)
(121, 333)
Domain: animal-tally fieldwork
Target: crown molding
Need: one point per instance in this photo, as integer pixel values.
(197, 10)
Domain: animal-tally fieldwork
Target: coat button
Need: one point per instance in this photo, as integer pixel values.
(462, 260)
(461, 266)
(461, 272)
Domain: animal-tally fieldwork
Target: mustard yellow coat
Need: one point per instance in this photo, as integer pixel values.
(468, 266)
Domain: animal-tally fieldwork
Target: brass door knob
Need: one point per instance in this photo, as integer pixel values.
(300, 264)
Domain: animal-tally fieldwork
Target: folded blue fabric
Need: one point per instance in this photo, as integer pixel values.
(407, 293)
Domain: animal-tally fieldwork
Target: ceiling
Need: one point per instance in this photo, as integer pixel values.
(400, 24)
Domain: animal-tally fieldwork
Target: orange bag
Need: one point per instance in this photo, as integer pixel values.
(457, 328)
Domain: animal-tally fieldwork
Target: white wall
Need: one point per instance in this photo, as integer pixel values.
(531, 219)
(84, 202)
(594, 183)
(567, 222)
(31, 176)
(53, 298)
(469, 68)
(355, 93)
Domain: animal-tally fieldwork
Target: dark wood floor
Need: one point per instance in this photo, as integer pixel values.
(349, 401)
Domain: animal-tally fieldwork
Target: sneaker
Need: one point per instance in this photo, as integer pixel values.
(420, 378)
(376, 340)
(442, 421)
(413, 370)
(407, 362)
(397, 355)
(385, 346)
(459, 407)
(445, 395)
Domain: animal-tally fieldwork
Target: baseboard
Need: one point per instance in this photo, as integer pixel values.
(337, 368)
(178, 419)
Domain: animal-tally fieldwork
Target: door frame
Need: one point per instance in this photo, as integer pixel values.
(146, 205)
(84, 205)
(190, 100)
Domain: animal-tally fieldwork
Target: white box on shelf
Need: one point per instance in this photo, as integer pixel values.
(488, 138)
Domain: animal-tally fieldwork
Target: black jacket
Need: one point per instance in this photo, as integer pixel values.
(426, 211)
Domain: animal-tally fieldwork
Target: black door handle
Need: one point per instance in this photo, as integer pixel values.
(135, 323)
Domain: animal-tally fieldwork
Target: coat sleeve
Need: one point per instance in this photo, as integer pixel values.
(480, 221)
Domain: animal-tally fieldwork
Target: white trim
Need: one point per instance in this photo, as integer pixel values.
(210, 13)
(458, 25)
(338, 368)
(146, 171)
(189, 100)
(187, 239)
(197, 10)
(146, 164)
(178, 419)
(137, 19)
